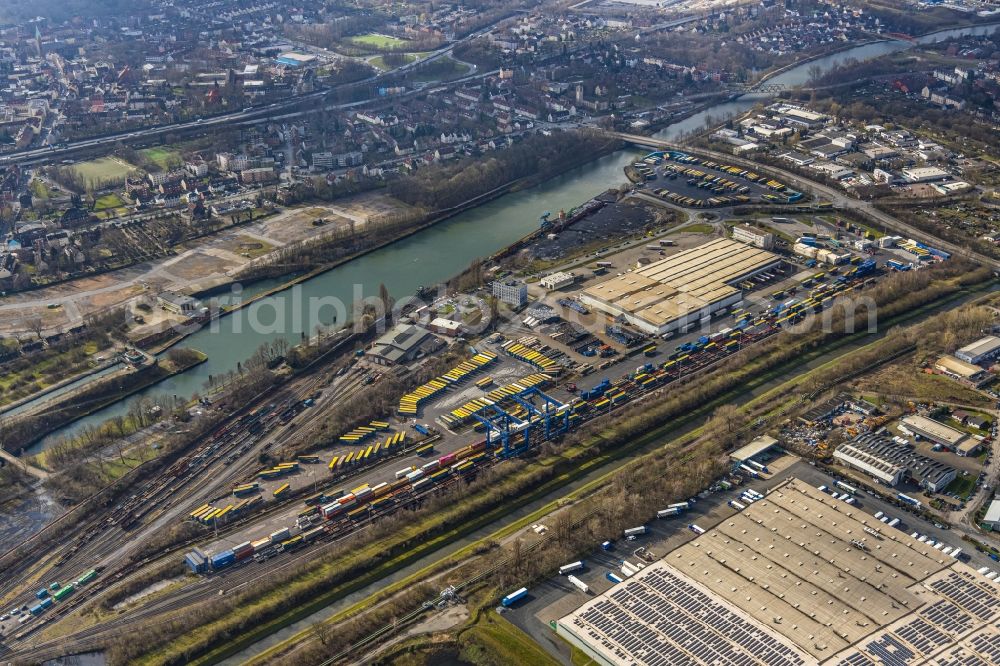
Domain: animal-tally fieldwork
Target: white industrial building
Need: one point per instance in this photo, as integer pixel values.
(925, 174)
(992, 517)
(980, 351)
(939, 433)
(745, 233)
(557, 280)
(683, 289)
(511, 292)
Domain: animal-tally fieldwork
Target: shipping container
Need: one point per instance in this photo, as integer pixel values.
(402, 474)
(195, 560)
(280, 535)
(613, 578)
(222, 560)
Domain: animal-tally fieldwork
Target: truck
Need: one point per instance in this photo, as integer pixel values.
(908, 500)
(736, 505)
(696, 529)
(607, 545)
(667, 513)
(421, 429)
(850, 489)
(578, 584)
(571, 567)
(614, 578)
(636, 531)
(894, 522)
(680, 506)
(514, 597)
(751, 472)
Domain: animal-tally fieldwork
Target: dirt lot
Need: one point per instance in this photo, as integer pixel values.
(210, 261)
(904, 378)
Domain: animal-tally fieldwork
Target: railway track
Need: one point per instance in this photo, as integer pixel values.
(344, 529)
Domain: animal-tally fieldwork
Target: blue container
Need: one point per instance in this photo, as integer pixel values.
(222, 560)
(196, 561)
(42, 593)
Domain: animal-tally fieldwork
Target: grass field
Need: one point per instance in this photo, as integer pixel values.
(161, 157)
(108, 201)
(379, 41)
(442, 69)
(962, 486)
(379, 61)
(495, 640)
(103, 169)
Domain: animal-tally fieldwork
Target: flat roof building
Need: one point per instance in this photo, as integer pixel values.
(745, 233)
(557, 280)
(992, 517)
(935, 431)
(962, 371)
(756, 447)
(796, 578)
(684, 288)
(511, 292)
(982, 350)
(925, 174)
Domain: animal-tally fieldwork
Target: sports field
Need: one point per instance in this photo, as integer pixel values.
(379, 41)
(162, 157)
(103, 169)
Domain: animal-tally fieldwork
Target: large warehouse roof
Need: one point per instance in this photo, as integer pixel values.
(683, 284)
(793, 579)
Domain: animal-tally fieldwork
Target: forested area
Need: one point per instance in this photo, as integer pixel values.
(538, 157)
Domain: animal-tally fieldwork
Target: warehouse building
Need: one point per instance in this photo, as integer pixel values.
(874, 466)
(961, 371)
(981, 351)
(754, 449)
(935, 431)
(744, 233)
(992, 517)
(685, 288)
(890, 463)
(402, 344)
(796, 578)
(557, 280)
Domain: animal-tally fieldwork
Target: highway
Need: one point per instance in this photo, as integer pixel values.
(285, 108)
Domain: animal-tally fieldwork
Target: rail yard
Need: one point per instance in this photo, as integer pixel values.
(565, 356)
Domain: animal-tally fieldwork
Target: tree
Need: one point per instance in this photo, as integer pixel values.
(35, 325)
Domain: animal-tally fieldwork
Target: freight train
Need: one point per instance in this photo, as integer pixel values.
(332, 506)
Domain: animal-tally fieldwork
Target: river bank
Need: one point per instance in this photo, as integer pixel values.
(433, 254)
(22, 433)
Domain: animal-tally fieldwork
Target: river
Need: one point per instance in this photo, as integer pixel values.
(439, 252)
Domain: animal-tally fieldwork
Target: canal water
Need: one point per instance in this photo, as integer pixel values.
(437, 253)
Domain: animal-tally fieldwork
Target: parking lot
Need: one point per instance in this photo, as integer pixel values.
(706, 184)
(556, 597)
